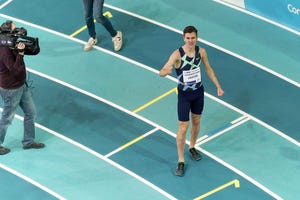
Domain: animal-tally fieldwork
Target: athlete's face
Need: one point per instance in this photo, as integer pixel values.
(190, 39)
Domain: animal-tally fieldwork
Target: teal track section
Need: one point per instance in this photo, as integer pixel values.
(68, 170)
(200, 177)
(77, 116)
(258, 93)
(265, 159)
(12, 191)
(247, 87)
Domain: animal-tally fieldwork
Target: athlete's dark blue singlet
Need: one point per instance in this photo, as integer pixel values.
(190, 88)
(189, 73)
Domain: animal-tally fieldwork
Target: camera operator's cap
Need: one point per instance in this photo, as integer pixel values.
(6, 26)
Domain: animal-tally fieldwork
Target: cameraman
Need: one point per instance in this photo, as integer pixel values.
(15, 92)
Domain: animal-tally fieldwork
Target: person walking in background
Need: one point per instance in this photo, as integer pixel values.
(187, 61)
(15, 92)
(94, 8)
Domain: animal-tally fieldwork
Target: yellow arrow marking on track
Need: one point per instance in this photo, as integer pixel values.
(106, 14)
(235, 182)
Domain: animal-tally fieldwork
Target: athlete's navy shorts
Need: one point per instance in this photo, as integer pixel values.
(190, 101)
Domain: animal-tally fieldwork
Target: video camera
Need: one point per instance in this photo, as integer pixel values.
(11, 38)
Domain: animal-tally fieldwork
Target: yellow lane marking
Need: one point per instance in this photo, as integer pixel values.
(235, 182)
(155, 100)
(132, 142)
(107, 14)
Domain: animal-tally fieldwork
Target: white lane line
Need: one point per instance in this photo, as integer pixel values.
(42, 187)
(5, 4)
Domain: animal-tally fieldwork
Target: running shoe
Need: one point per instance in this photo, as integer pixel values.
(195, 155)
(180, 169)
(34, 145)
(4, 150)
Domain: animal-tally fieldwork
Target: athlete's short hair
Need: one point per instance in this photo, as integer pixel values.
(190, 29)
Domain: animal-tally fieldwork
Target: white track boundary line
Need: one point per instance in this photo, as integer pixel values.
(239, 119)
(207, 137)
(258, 16)
(244, 120)
(5, 4)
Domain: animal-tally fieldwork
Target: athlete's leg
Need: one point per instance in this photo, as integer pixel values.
(194, 129)
(180, 139)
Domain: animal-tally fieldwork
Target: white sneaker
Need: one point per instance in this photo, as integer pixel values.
(89, 45)
(117, 40)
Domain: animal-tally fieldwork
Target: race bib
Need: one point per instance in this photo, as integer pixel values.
(192, 76)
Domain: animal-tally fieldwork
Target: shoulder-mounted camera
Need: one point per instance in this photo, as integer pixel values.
(11, 36)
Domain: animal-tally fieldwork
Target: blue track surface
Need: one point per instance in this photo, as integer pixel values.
(77, 116)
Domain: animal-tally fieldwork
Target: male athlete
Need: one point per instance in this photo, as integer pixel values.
(187, 61)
